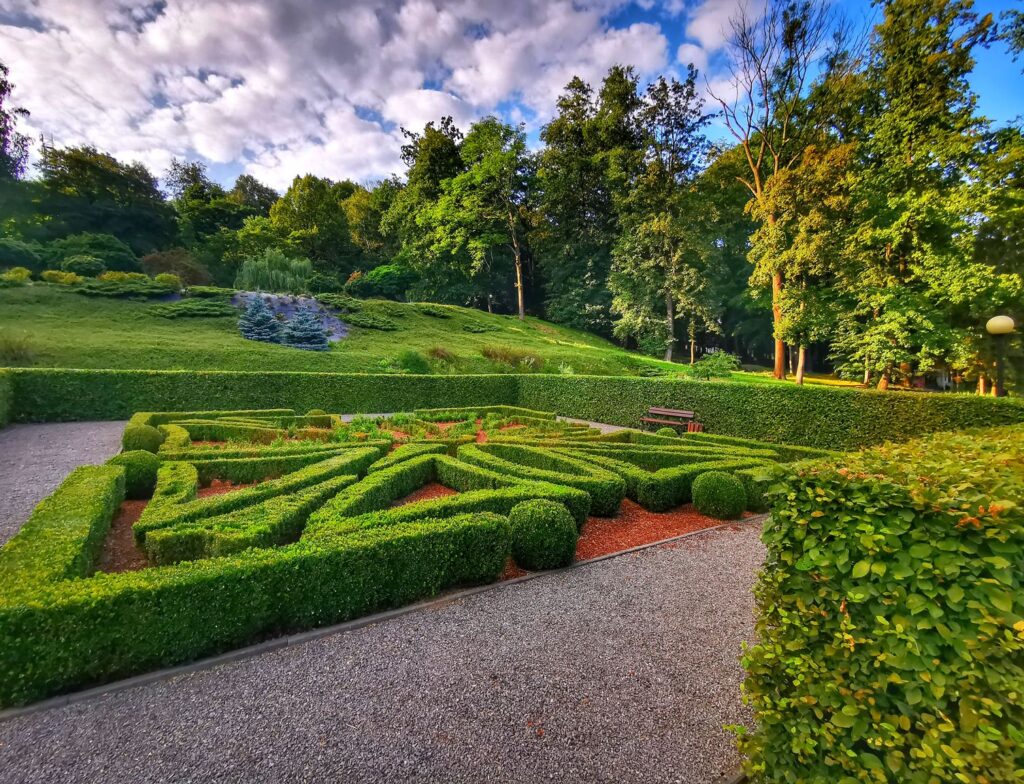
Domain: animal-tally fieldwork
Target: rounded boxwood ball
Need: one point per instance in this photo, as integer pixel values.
(140, 469)
(665, 431)
(543, 535)
(145, 437)
(718, 494)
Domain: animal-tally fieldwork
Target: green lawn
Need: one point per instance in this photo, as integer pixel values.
(59, 328)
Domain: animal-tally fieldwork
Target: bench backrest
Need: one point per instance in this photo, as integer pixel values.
(670, 412)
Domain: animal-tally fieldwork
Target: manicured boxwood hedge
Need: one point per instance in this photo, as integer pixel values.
(891, 617)
(78, 632)
(829, 418)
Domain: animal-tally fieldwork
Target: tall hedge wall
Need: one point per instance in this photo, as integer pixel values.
(824, 417)
(6, 396)
(821, 417)
(43, 395)
(890, 617)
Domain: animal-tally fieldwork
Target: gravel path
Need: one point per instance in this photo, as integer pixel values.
(621, 671)
(34, 459)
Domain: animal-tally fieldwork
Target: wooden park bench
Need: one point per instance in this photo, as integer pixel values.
(674, 418)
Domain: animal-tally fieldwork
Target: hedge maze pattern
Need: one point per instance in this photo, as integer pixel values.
(315, 536)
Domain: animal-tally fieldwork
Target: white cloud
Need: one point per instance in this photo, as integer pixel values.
(691, 53)
(274, 85)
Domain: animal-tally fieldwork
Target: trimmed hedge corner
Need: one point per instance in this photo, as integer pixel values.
(144, 438)
(140, 469)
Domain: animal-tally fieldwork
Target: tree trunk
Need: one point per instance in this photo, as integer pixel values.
(693, 343)
(867, 373)
(981, 384)
(518, 255)
(490, 305)
(883, 382)
(780, 346)
(801, 362)
(670, 324)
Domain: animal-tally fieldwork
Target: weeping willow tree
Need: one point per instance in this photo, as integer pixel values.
(273, 271)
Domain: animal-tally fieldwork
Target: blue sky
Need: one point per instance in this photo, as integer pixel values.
(279, 88)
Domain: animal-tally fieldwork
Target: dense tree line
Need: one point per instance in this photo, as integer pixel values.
(863, 218)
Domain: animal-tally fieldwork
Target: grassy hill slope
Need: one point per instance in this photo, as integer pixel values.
(48, 326)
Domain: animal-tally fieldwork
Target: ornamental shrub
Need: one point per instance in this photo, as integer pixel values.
(258, 322)
(413, 362)
(114, 254)
(273, 271)
(16, 276)
(890, 616)
(305, 330)
(543, 535)
(140, 469)
(61, 278)
(168, 280)
(665, 431)
(115, 276)
(86, 266)
(145, 437)
(718, 494)
(15, 253)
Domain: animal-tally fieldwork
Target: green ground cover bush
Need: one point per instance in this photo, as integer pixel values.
(891, 616)
(141, 437)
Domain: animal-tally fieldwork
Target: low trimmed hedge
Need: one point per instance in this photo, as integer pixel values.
(890, 616)
(80, 632)
(271, 522)
(606, 489)
(63, 536)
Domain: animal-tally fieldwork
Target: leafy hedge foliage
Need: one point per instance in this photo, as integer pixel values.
(718, 494)
(195, 308)
(543, 535)
(824, 417)
(891, 617)
(140, 469)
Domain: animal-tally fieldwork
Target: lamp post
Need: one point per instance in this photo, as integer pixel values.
(999, 327)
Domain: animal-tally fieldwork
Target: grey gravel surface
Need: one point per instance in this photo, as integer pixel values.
(623, 670)
(34, 459)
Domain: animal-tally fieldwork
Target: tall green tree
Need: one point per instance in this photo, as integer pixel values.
(660, 261)
(775, 58)
(483, 213)
(251, 193)
(918, 193)
(586, 145)
(311, 218)
(13, 144)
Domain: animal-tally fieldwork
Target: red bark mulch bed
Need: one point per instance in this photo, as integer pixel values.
(120, 553)
(425, 493)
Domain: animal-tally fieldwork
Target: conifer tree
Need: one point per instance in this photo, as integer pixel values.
(305, 331)
(259, 323)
